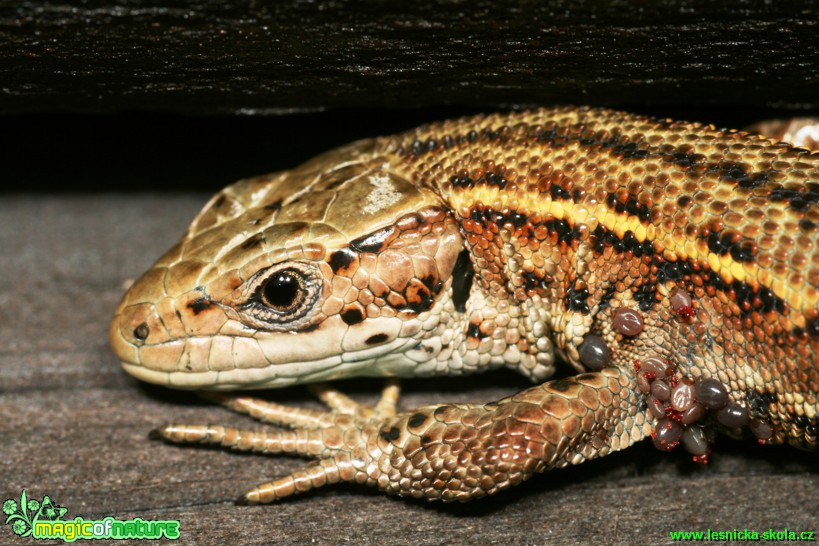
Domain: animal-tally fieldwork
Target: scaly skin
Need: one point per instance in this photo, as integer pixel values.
(361, 262)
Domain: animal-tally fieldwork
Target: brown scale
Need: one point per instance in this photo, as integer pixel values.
(394, 267)
(570, 217)
(720, 165)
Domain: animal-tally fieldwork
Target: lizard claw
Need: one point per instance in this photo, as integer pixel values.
(340, 438)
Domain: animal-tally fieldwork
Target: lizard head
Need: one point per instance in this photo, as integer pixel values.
(340, 267)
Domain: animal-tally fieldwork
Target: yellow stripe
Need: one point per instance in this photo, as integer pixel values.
(621, 222)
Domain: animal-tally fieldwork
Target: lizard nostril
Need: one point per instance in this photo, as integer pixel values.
(141, 332)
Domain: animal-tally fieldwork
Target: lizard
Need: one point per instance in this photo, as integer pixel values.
(672, 265)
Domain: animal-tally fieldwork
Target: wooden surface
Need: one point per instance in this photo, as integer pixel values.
(250, 57)
(74, 427)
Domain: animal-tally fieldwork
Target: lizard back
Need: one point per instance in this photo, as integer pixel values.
(505, 240)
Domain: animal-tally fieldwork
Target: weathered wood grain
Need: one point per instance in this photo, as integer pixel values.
(251, 57)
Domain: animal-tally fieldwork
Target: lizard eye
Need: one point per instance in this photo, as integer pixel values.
(283, 290)
(283, 296)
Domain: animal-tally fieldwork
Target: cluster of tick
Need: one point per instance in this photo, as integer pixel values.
(681, 406)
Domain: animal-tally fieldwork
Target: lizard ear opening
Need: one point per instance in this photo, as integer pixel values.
(462, 275)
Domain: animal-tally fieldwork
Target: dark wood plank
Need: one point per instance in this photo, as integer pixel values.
(211, 56)
(74, 427)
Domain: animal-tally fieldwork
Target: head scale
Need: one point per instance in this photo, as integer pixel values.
(339, 267)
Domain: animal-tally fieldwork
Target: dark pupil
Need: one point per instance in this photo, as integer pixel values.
(282, 290)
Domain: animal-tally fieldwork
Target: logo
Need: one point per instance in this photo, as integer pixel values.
(45, 520)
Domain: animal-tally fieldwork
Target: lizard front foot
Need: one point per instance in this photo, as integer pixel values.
(448, 451)
(337, 438)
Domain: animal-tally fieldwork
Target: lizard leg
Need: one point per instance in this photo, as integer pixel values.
(315, 431)
(278, 414)
(465, 451)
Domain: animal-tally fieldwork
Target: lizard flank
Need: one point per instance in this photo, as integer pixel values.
(674, 266)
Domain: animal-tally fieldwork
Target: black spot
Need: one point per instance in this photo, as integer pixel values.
(417, 420)
(757, 179)
(488, 214)
(532, 282)
(462, 276)
(423, 303)
(561, 385)
(798, 199)
(812, 327)
(276, 205)
(491, 134)
(683, 159)
(721, 242)
(495, 179)
(474, 330)
(744, 251)
(671, 271)
(551, 136)
(220, 202)
(630, 206)
(558, 192)
(565, 232)
(341, 259)
(732, 172)
(747, 299)
(602, 238)
(429, 282)
(683, 201)
(731, 242)
(759, 402)
(374, 242)
(631, 150)
(630, 242)
(390, 435)
(514, 217)
(426, 440)
(807, 225)
(646, 296)
(448, 143)
(199, 305)
(142, 331)
(441, 411)
(352, 316)
(605, 300)
(377, 338)
(462, 180)
(252, 241)
(804, 423)
(578, 300)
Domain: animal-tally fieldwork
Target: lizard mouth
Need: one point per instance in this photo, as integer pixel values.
(257, 378)
(389, 360)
